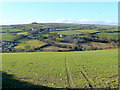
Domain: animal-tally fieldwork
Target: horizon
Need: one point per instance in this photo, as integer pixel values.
(104, 13)
(58, 23)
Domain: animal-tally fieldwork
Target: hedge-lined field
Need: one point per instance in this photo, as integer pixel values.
(108, 35)
(30, 43)
(7, 36)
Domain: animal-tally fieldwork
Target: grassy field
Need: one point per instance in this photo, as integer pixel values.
(63, 69)
(67, 32)
(107, 35)
(50, 48)
(22, 33)
(70, 32)
(87, 31)
(112, 30)
(6, 36)
(43, 35)
(10, 30)
(31, 43)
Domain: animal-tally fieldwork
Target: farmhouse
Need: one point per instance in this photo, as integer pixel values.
(61, 35)
(34, 29)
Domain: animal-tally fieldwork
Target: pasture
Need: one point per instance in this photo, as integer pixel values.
(64, 69)
(7, 29)
(70, 32)
(107, 35)
(31, 43)
(7, 36)
(22, 33)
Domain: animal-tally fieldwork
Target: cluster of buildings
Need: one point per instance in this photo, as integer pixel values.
(6, 45)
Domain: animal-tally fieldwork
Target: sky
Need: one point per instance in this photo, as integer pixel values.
(59, 12)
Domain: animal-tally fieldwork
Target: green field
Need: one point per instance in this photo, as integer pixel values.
(63, 69)
(6, 36)
(7, 29)
(70, 32)
(87, 31)
(51, 48)
(67, 32)
(22, 33)
(112, 30)
(41, 34)
(107, 35)
(31, 43)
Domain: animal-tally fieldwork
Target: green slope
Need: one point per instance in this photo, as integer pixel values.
(64, 69)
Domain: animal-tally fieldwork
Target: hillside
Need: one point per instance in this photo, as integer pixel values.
(59, 55)
(59, 37)
(82, 69)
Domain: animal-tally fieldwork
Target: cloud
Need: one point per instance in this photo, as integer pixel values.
(106, 22)
(110, 22)
(62, 21)
(81, 21)
(85, 21)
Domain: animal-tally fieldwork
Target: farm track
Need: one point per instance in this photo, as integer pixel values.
(85, 76)
(90, 84)
(50, 80)
(69, 78)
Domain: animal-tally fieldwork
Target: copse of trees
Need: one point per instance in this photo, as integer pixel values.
(34, 23)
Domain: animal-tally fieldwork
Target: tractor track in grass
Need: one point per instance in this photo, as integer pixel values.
(50, 80)
(90, 84)
(86, 77)
(69, 78)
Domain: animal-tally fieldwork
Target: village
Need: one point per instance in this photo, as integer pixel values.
(57, 37)
(7, 46)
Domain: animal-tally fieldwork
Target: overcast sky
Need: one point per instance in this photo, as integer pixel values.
(59, 12)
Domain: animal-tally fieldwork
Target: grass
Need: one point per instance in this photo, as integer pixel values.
(22, 33)
(64, 69)
(50, 48)
(67, 32)
(41, 34)
(8, 37)
(104, 26)
(59, 39)
(112, 30)
(31, 43)
(69, 44)
(60, 29)
(70, 32)
(10, 30)
(107, 35)
(87, 31)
